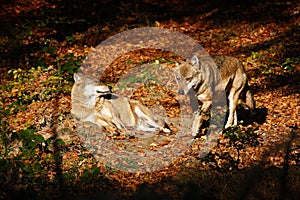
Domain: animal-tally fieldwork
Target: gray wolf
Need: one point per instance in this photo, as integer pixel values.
(95, 103)
(233, 79)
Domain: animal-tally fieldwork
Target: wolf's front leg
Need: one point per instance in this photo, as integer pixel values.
(196, 123)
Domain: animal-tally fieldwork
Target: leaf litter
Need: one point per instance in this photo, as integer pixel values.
(261, 47)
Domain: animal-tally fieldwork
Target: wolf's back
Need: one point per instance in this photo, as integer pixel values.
(228, 65)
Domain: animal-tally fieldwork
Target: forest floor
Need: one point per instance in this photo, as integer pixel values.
(43, 44)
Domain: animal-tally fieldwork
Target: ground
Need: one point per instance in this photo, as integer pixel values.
(43, 43)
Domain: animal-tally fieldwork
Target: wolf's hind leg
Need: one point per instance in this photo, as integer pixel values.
(233, 99)
(250, 102)
(235, 118)
(147, 123)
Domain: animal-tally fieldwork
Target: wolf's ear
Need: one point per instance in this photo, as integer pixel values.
(77, 77)
(195, 61)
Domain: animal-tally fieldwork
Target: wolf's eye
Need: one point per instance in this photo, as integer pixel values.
(178, 78)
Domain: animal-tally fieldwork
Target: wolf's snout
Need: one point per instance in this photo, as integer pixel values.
(181, 92)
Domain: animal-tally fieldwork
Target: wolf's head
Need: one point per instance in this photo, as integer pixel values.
(187, 75)
(86, 90)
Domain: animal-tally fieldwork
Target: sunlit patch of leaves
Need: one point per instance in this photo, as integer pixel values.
(34, 84)
(25, 88)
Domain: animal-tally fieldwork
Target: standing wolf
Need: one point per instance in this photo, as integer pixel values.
(192, 75)
(94, 102)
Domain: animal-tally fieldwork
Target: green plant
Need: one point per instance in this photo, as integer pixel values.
(254, 55)
(71, 65)
(50, 49)
(163, 60)
(30, 139)
(145, 76)
(265, 69)
(70, 38)
(290, 64)
(241, 135)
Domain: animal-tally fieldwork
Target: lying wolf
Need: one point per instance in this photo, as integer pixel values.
(94, 102)
(192, 75)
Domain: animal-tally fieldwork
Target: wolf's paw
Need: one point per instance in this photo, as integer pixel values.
(227, 126)
(194, 134)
